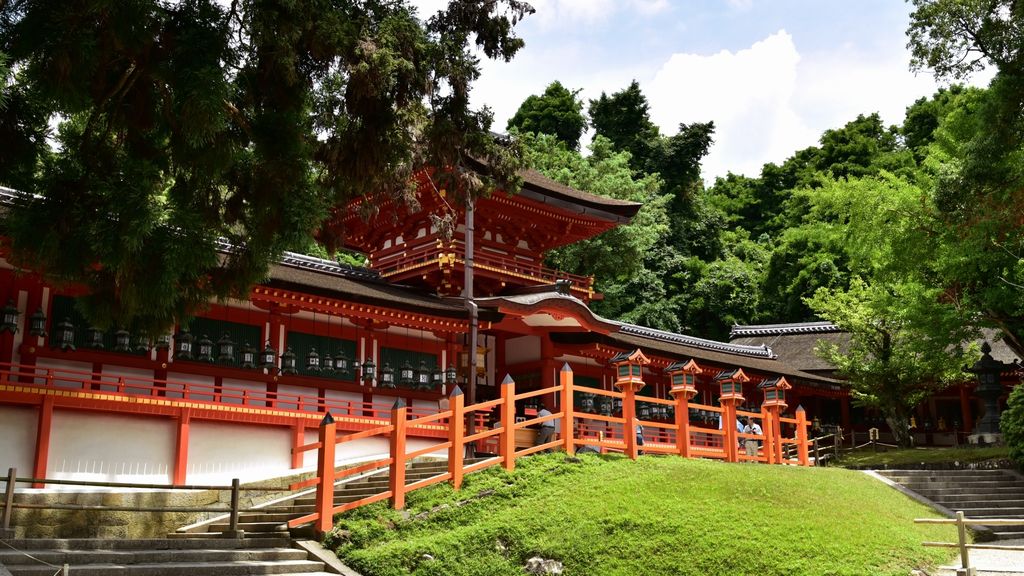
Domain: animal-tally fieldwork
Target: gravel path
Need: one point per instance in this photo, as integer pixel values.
(991, 562)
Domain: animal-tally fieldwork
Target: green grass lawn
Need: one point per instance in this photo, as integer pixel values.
(657, 516)
(870, 458)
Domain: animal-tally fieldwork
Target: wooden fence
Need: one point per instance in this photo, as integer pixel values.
(961, 525)
(576, 428)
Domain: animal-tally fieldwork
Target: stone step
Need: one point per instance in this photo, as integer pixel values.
(992, 494)
(985, 484)
(1008, 534)
(261, 537)
(185, 542)
(238, 568)
(986, 503)
(989, 512)
(947, 473)
(251, 527)
(80, 557)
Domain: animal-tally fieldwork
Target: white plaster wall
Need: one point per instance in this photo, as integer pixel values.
(133, 379)
(218, 452)
(207, 381)
(17, 439)
(522, 349)
(111, 448)
(50, 363)
(342, 397)
(239, 387)
(310, 395)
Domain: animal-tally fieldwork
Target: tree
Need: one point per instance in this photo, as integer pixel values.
(558, 112)
(624, 119)
(905, 333)
(182, 122)
(979, 188)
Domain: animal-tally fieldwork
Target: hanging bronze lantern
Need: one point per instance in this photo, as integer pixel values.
(94, 338)
(406, 376)
(122, 341)
(248, 357)
(423, 376)
(268, 358)
(312, 361)
(183, 345)
(142, 344)
(327, 364)
(387, 376)
(451, 375)
(288, 363)
(163, 342)
(64, 338)
(369, 371)
(205, 349)
(37, 323)
(9, 318)
(226, 349)
(437, 377)
(341, 363)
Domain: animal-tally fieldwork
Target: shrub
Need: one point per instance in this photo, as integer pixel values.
(1011, 424)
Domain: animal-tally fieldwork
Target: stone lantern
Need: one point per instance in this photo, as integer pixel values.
(990, 388)
(774, 405)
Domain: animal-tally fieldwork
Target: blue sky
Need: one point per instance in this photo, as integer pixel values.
(772, 74)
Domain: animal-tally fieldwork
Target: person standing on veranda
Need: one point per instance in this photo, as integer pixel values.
(752, 444)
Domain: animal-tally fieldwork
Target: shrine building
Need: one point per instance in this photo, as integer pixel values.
(233, 391)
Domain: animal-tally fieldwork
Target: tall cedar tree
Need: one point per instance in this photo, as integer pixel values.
(181, 122)
(558, 112)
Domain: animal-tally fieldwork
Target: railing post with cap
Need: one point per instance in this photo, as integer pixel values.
(801, 436)
(325, 471)
(12, 475)
(507, 438)
(456, 433)
(396, 478)
(566, 380)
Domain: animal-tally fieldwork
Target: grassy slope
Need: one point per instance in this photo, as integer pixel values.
(607, 515)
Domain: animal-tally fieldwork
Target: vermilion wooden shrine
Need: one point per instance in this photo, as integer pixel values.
(238, 390)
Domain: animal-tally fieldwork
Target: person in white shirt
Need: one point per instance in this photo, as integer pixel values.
(752, 444)
(547, 428)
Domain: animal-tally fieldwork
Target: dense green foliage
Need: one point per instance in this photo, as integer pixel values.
(1011, 424)
(182, 122)
(609, 515)
(557, 112)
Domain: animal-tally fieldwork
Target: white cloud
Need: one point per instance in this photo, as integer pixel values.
(749, 94)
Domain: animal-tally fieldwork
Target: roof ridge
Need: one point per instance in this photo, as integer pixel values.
(780, 329)
(762, 351)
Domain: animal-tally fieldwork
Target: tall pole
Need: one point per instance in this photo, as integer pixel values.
(471, 306)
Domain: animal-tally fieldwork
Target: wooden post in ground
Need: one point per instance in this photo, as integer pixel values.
(965, 561)
(325, 472)
(507, 438)
(565, 379)
(801, 436)
(456, 432)
(396, 477)
(5, 528)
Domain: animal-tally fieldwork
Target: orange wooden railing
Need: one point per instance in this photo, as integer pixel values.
(605, 433)
(65, 379)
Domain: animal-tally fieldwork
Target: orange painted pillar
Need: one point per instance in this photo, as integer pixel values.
(683, 425)
(396, 480)
(298, 439)
(729, 427)
(181, 447)
(507, 438)
(325, 472)
(43, 427)
(629, 421)
(456, 433)
(768, 431)
(801, 436)
(565, 379)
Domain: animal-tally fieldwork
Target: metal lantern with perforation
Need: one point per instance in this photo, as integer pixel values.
(683, 377)
(774, 391)
(629, 369)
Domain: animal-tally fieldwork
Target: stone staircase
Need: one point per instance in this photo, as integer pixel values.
(271, 520)
(978, 493)
(158, 557)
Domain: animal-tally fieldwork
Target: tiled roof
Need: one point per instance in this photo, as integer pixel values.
(780, 329)
(743, 350)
